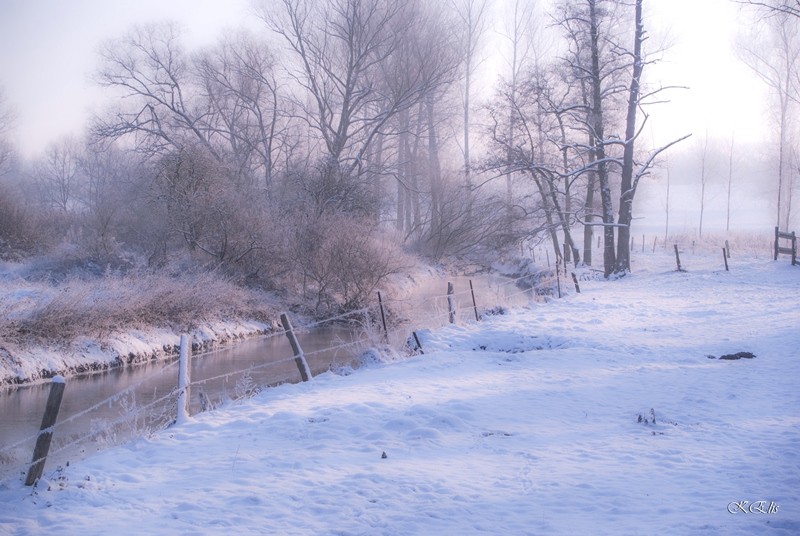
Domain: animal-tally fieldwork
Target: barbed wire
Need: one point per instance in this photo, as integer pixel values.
(442, 312)
(21, 467)
(109, 400)
(240, 371)
(332, 318)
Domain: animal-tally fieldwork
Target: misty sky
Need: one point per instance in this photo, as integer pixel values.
(49, 54)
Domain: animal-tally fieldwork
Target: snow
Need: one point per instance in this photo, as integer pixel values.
(539, 421)
(152, 343)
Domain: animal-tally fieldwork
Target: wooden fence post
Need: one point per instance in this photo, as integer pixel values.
(419, 344)
(776, 244)
(727, 249)
(451, 304)
(575, 280)
(678, 258)
(46, 430)
(184, 371)
(474, 304)
(383, 317)
(792, 250)
(725, 258)
(558, 281)
(655, 241)
(299, 357)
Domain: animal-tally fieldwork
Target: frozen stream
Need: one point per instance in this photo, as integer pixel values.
(96, 418)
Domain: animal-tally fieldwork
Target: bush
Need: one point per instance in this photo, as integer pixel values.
(18, 231)
(96, 307)
(341, 261)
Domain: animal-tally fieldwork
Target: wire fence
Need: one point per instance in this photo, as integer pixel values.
(149, 403)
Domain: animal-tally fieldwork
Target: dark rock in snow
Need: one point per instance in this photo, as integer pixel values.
(737, 355)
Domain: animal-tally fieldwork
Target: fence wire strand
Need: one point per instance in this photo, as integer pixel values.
(437, 317)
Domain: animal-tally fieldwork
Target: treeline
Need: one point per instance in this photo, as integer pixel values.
(315, 156)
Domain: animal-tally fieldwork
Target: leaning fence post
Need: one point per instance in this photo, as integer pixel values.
(575, 280)
(725, 258)
(419, 344)
(46, 430)
(451, 304)
(183, 380)
(678, 258)
(474, 305)
(383, 317)
(299, 357)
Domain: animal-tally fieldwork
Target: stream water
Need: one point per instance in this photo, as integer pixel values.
(108, 408)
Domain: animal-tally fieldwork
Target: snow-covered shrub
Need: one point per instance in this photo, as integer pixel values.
(99, 306)
(341, 260)
(19, 236)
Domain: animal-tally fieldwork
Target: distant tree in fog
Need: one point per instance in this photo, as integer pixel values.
(772, 51)
(7, 118)
(57, 175)
(786, 7)
(473, 16)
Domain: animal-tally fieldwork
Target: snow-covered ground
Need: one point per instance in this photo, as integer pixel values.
(539, 421)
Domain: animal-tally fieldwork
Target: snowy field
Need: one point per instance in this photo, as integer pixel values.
(539, 421)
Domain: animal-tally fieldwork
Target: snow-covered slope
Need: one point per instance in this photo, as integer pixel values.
(601, 413)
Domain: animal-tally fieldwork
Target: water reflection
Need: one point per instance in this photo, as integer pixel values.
(111, 407)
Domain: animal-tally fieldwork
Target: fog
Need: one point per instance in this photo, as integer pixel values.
(245, 137)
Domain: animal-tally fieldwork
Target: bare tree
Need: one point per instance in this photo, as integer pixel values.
(7, 119)
(340, 46)
(773, 53)
(596, 78)
(523, 35)
(358, 65)
(111, 181)
(57, 175)
(730, 185)
(150, 69)
(473, 17)
(786, 7)
(244, 106)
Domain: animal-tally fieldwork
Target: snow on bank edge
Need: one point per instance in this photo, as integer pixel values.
(30, 364)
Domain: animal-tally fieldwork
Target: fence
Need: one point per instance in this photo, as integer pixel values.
(390, 322)
(790, 250)
(400, 318)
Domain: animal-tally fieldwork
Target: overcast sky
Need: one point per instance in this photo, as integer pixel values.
(48, 54)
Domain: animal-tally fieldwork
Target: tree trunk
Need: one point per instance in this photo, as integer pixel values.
(628, 188)
(609, 256)
(548, 214)
(402, 170)
(377, 181)
(434, 169)
(588, 229)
